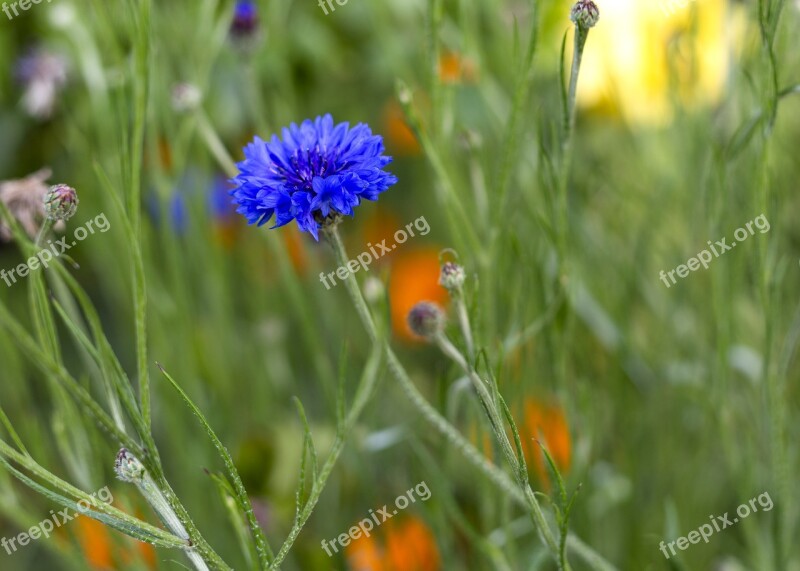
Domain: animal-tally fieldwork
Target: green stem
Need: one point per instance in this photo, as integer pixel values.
(431, 415)
(496, 420)
(289, 279)
(363, 394)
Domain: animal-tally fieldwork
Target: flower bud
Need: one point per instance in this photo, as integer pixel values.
(585, 14)
(245, 30)
(452, 276)
(128, 467)
(374, 290)
(60, 202)
(186, 97)
(426, 319)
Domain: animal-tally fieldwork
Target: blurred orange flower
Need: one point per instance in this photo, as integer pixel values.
(400, 139)
(542, 421)
(98, 547)
(409, 546)
(95, 541)
(547, 423)
(364, 554)
(455, 69)
(380, 225)
(414, 278)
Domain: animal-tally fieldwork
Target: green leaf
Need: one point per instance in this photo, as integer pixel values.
(308, 451)
(261, 545)
(43, 361)
(12, 432)
(105, 513)
(234, 509)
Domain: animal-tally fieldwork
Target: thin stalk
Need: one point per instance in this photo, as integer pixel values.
(363, 394)
(426, 409)
(496, 420)
(464, 325)
(291, 284)
(140, 100)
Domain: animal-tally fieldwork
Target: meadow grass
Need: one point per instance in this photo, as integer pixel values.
(573, 413)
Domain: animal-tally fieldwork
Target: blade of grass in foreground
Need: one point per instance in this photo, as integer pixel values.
(262, 547)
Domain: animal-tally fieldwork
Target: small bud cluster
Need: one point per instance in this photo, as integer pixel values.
(585, 14)
(128, 467)
(60, 202)
(452, 277)
(426, 319)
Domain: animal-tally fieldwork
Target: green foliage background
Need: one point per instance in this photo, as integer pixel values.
(680, 401)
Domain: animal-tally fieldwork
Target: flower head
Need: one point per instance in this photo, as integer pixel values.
(585, 14)
(314, 174)
(244, 30)
(61, 202)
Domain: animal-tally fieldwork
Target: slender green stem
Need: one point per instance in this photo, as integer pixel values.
(140, 100)
(363, 394)
(464, 325)
(289, 279)
(526, 496)
(496, 420)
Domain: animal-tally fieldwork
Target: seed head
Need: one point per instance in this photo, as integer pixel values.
(426, 319)
(128, 467)
(452, 276)
(585, 14)
(60, 202)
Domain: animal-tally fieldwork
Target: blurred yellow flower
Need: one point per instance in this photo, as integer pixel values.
(643, 57)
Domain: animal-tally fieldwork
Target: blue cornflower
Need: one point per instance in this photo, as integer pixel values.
(315, 173)
(245, 20)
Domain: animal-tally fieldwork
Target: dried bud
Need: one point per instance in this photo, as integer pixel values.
(128, 467)
(426, 319)
(24, 198)
(585, 14)
(452, 276)
(60, 202)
